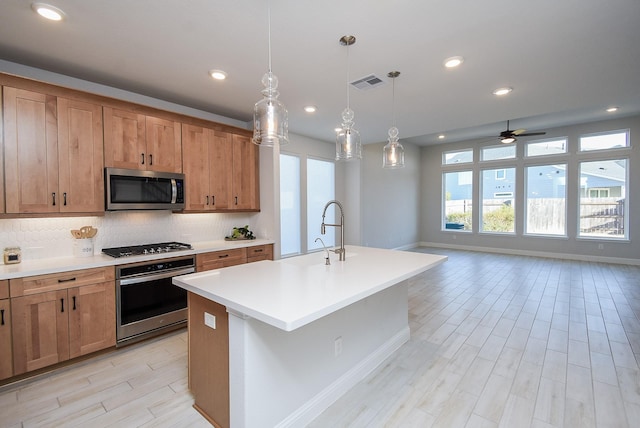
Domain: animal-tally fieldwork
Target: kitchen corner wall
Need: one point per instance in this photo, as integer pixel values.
(41, 238)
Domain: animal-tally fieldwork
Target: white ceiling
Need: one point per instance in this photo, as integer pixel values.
(566, 60)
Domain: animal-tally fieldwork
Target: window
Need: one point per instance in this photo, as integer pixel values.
(458, 156)
(545, 148)
(457, 190)
(497, 212)
(603, 199)
(320, 190)
(290, 228)
(545, 208)
(498, 152)
(608, 140)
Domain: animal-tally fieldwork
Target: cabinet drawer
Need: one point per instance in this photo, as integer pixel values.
(220, 259)
(4, 289)
(59, 281)
(260, 252)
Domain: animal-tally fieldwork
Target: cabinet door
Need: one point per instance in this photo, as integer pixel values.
(31, 152)
(195, 165)
(124, 139)
(6, 354)
(2, 192)
(164, 145)
(80, 153)
(246, 192)
(220, 173)
(92, 318)
(40, 330)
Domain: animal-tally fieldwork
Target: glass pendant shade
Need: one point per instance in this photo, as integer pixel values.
(348, 144)
(270, 117)
(393, 156)
(393, 152)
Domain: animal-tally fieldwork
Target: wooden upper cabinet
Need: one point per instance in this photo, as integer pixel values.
(207, 165)
(136, 141)
(80, 153)
(246, 187)
(164, 145)
(124, 138)
(31, 152)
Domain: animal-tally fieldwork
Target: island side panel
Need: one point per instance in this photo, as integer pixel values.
(209, 359)
(281, 378)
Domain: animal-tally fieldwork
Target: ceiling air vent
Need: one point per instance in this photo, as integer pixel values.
(368, 82)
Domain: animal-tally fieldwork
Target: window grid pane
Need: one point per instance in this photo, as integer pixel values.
(320, 190)
(498, 196)
(603, 207)
(290, 229)
(457, 156)
(545, 148)
(457, 206)
(546, 200)
(498, 152)
(612, 140)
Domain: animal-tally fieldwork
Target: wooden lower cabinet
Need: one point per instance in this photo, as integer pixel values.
(68, 318)
(220, 259)
(40, 330)
(209, 360)
(6, 353)
(259, 252)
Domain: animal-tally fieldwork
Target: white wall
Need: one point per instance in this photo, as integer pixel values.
(390, 199)
(562, 247)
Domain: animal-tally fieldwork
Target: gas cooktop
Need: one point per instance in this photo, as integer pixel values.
(140, 250)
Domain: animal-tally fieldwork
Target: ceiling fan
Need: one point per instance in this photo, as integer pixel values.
(509, 136)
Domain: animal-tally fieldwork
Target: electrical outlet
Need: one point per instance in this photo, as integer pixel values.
(337, 345)
(210, 320)
(453, 236)
(600, 246)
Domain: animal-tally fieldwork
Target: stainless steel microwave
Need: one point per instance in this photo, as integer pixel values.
(130, 189)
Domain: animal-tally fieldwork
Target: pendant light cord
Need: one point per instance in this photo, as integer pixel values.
(393, 103)
(269, 31)
(348, 74)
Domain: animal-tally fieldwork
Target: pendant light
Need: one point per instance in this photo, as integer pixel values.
(348, 144)
(270, 121)
(393, 152)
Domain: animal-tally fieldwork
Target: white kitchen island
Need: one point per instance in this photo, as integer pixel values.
(274, 343)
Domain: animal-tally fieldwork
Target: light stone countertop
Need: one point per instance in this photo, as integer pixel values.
(292, 292)
(64, 264)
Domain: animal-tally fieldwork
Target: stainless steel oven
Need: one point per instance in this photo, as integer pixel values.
(147, 303)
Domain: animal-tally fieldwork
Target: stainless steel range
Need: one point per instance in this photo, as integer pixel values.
(147, 302)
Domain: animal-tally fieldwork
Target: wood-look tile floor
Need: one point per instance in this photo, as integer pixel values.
(496, 341)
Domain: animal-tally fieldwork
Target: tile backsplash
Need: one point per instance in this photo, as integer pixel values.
(41, 238)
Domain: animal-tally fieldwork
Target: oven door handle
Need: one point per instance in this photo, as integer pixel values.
(153, 277)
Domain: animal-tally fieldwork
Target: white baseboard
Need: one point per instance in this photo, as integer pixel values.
(562, 256)
(325, 398)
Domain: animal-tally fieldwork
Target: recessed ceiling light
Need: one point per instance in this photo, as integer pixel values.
(453, 61)
(310, 109)
(218, 74)
(441, 137)
(48, 11)
(612, 109)
(502, 91)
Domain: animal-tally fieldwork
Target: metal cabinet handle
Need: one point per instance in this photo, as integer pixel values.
(142, 156)
(213, 199)
(64, 198)
(258, 251)
(207, 199)
(2, 316)
(74, 303)
(151, 159)
(67, 280)
(53, 196)
(236, 200)
(222, 256)
(62, 305)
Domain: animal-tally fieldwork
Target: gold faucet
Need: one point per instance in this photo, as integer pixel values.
(323, 229)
